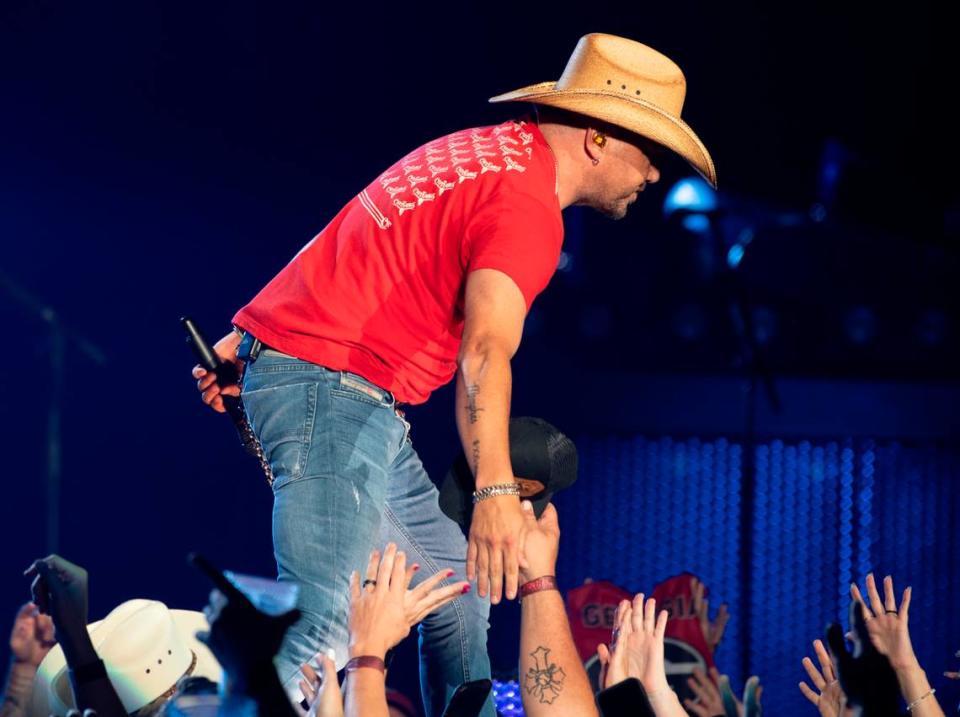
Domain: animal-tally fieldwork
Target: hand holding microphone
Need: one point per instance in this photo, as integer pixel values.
(218, 379)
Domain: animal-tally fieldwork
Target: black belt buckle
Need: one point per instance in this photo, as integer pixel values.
(249, 348)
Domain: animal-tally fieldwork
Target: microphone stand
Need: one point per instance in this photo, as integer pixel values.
(60, 338)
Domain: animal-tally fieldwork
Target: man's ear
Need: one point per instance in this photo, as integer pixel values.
(594, 143)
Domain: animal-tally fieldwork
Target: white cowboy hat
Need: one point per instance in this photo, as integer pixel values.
(145, 648)
(628, 85)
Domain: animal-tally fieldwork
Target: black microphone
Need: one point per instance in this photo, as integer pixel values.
(227, 375)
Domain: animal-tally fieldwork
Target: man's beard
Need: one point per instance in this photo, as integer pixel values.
(616, 209)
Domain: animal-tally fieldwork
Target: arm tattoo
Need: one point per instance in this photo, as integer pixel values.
(544, 679)
(476, 456)
(472, 408)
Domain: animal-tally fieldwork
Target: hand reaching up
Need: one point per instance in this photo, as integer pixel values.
(60, 590)
(430, 595)
(32, 636)
(887, 626)
(715, 697)
(638, 646)
(826, 694)
(541, 542)
(865, 674)
(322, 694)
(709, 703)
(712, 629)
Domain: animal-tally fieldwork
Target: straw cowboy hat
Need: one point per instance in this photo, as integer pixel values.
(145, 648)
(628, 85)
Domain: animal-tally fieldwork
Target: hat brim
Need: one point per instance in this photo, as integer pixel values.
(52, 692)
(634, 114)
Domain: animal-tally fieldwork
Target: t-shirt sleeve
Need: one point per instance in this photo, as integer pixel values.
(518, 235)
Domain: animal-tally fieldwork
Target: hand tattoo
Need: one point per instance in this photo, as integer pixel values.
(544, 680)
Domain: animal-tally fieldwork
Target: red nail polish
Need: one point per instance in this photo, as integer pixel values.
(466, 589)
(416, 567)
(450, 573)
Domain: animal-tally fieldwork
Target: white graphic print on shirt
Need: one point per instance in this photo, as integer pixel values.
(451, 161)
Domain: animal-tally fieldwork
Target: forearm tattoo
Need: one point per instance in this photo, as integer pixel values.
(475, 454)
(472, 408)
(544, 680)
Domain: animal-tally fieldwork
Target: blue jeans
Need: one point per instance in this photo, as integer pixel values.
(347, 480)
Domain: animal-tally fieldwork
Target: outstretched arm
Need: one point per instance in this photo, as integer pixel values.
(552, 678)
(494, 309)
(888, 630)
(30, 641)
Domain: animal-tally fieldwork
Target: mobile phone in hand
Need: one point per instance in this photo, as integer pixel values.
(468, 699)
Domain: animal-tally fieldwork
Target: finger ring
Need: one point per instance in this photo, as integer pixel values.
(832, 682)
(368, 581)
(893, 612)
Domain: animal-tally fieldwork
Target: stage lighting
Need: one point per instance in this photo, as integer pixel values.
(694, 199)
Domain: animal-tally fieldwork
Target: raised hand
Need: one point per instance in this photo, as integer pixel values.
(641, 639)
(887, 626)
(378, 618)
(541, 542)
(32, 636)
(613, 662)
(716, 698)
(865, 675)
(712, 629)
(60, 590)
(322, 695)
(826, 694)
(429, 595)
(709, 703)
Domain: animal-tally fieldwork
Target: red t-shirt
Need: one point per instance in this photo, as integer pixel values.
(379, 292)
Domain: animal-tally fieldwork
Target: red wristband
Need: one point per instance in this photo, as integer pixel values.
(547, 582)
(366, 661)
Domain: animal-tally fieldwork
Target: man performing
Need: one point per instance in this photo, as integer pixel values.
(427, 273)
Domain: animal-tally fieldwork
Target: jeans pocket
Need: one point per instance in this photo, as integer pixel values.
(283, 419)
(350, 385)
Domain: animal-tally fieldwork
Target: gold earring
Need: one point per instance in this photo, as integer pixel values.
(599, 140)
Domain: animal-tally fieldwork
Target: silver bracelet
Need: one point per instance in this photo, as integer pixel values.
(919, 700)
(492, 491)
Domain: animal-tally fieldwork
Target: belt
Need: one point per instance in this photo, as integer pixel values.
(250, 347)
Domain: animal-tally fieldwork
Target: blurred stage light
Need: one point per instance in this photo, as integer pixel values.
(735, 256)
(695, 199)
(506, 696)
(736, 251)
(566, 262)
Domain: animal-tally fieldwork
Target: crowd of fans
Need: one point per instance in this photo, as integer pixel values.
(144, 659)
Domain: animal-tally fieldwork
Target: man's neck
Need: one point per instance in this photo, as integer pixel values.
(568, 174)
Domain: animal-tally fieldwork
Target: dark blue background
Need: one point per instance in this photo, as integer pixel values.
(167, 158)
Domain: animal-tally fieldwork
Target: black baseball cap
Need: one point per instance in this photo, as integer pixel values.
(544, 461)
